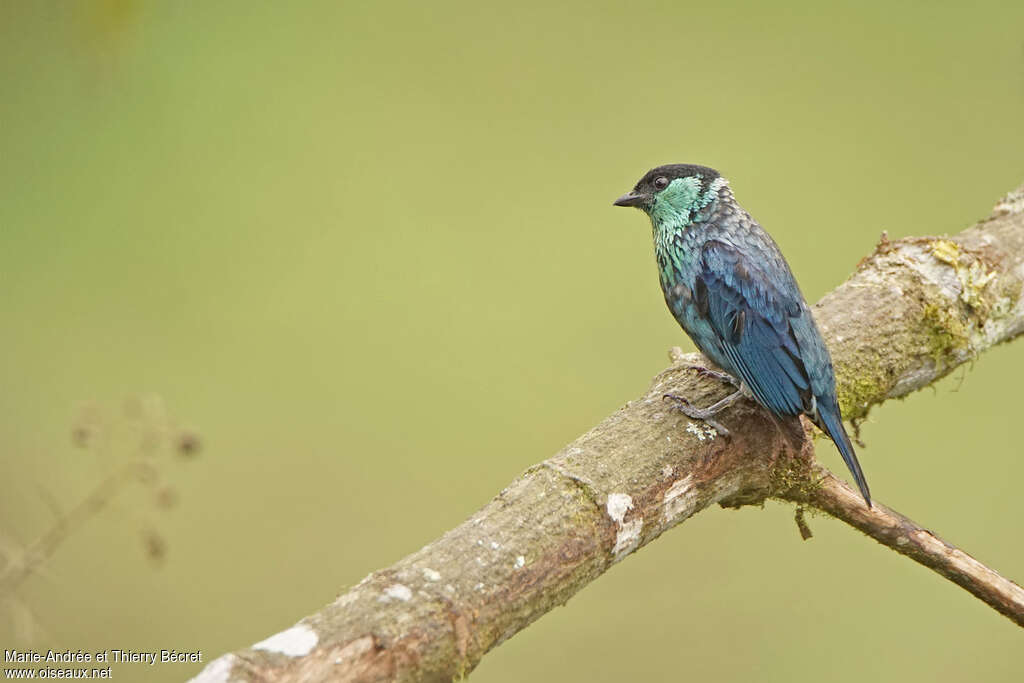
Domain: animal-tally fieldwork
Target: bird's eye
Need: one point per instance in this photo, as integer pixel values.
(660, 183)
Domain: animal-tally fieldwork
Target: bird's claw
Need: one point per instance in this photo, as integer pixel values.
(678, 399)
(694, 413)
(715, 374)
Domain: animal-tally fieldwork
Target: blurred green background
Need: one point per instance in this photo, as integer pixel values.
(368, 251)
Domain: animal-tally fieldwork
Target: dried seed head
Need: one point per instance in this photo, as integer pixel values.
(188, 443)
(155, 545)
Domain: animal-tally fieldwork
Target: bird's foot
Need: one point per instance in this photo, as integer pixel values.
(715, 374)
(703, 414)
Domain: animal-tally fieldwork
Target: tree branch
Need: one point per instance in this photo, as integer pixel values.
(914, 310)
(903, 535)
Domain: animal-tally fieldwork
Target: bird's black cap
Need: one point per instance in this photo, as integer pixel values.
(644, 190)
(673, 171)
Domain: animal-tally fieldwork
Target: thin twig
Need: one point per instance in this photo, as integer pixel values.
(906, 537)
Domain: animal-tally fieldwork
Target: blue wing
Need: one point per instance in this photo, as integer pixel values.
(764, 330)
(753, 320)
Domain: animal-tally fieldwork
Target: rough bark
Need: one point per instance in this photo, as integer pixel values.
(914, 310)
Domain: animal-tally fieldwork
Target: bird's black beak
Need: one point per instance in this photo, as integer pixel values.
(630, 199)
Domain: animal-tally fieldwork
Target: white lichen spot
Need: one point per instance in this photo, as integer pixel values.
(495, 545)
(628, 536)
(902, 540)
(396, 591)
(431, 574)
(618, 505)
(703, 432)
(217, 671)
(520, 561)
(297, 641)
(678, 498)
(667, 471)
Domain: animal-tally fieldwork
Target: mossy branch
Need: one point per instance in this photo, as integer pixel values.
(913, 311)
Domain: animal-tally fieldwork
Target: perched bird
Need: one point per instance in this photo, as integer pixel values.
(732, 292)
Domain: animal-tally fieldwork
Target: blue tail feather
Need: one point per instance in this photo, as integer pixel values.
(832, 424)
